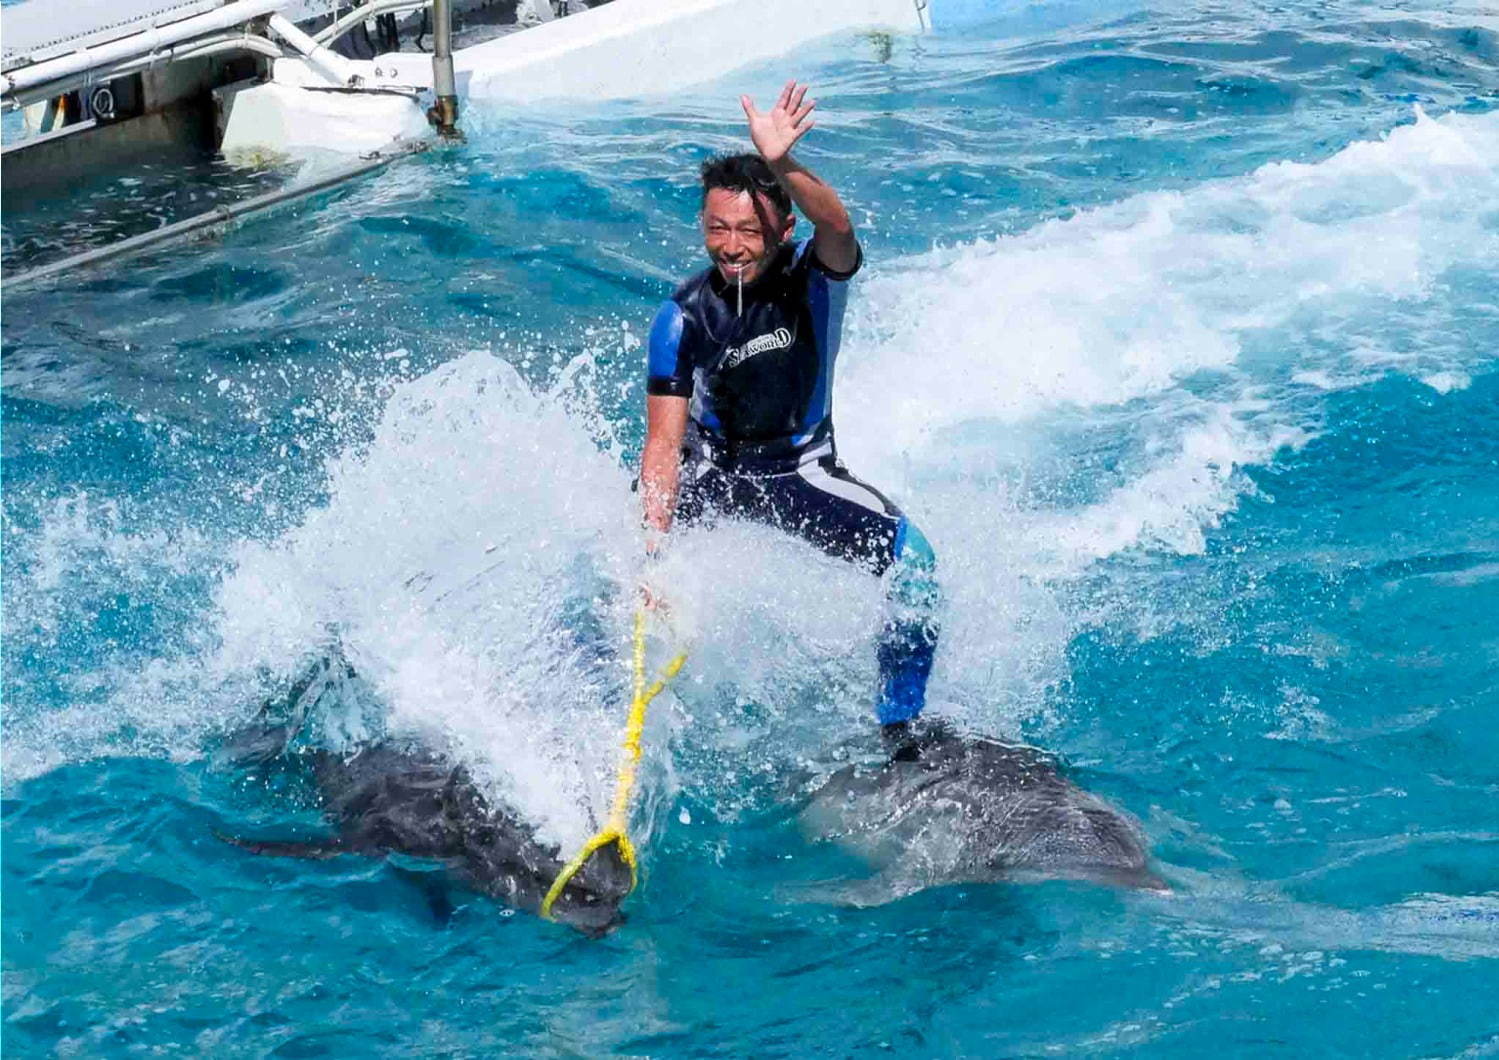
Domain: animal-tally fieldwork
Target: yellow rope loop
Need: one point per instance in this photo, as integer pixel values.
(615, 831)
(573, 867)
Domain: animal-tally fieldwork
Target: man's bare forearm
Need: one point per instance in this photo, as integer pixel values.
(812, 195)
(833, 231)
(774, 132)
(660, 463)
(660, 477)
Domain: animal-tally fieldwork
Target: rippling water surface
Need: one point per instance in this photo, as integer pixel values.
(1177, 337)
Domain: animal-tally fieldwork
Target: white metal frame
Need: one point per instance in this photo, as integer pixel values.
(144, 43)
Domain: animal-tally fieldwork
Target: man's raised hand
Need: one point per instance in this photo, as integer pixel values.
(775, 131)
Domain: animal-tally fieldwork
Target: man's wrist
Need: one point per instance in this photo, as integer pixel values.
(782, 166)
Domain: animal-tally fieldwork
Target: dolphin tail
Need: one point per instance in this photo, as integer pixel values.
(318, 849)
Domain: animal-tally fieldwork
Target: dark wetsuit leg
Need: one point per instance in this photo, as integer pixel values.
(828, 507)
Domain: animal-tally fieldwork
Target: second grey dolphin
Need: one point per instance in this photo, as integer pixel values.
(945, 808)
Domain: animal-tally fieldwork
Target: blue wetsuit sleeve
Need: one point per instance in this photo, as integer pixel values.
(810, 251)
(668, 373)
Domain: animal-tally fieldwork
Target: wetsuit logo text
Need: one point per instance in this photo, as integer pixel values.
(779, 339)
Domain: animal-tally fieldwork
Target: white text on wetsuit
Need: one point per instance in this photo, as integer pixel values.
(779, 339)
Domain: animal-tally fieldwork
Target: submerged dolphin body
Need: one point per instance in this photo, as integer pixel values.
(950, 809)
(389, 799)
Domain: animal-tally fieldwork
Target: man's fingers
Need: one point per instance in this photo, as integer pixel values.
(785, 100)
(794, 97)
(749, 107)
(801, 112)
(655, 602)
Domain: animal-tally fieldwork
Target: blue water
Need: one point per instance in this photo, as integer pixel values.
(1177, 337)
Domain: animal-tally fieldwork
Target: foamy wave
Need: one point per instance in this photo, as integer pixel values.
(442, 566)
(476, 563)
(1173, 504)
(1145, 300)
(95, 580)
(476, 557)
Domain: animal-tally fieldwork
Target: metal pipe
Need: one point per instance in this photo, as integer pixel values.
(328, 63)
(195, 49)
(444, 113)
(141, 43)
(220, 216)
(248, 42)
(333, 31)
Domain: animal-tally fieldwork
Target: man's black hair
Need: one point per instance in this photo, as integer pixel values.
(747, 172)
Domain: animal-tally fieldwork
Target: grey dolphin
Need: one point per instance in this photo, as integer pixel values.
(387, 799)
(393, 799)
(945, 808)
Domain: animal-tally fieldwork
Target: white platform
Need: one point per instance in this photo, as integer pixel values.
(287, 119)
(628, 48)
(625, 49)
(647, 47)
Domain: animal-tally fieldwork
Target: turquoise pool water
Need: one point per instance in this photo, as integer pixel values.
(1178, 338)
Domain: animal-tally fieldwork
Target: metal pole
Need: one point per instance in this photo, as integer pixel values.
(328, 63)
(444, 113)
(219, 216)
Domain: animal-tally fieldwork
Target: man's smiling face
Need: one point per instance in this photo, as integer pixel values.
(742, 233)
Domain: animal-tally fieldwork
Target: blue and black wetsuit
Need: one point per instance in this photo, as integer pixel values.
(759, 446)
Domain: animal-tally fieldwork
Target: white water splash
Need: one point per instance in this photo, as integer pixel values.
(1194, 322)
(477, 558)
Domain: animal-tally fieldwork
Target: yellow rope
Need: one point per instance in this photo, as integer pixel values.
(617, 828)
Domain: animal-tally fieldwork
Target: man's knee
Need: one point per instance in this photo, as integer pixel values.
(913, 579)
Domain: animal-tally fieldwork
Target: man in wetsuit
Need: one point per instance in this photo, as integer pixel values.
(739, 390)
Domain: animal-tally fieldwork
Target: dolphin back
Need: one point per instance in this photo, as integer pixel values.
(945, 808)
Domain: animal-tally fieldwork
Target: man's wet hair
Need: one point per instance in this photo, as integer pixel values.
(746, 172)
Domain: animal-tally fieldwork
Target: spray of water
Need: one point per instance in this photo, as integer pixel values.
(1036, 403)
